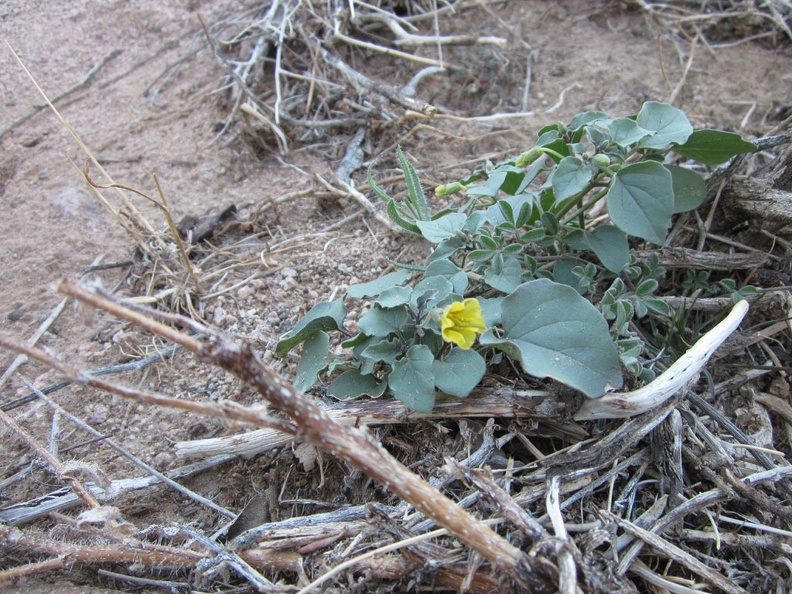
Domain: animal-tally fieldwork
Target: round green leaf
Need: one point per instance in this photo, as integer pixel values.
(395, 296)
(625, 131)
(327, 315)
(353, 384)
(690, 189)
(442, 228)
(504, 273)
(569, 178)
(554, 332)
(669, 125)
(412, 379)
(448, 270)
(587, 117)
(459, 372)
(610, 245)
(379, 321)
(641, 200)
(385, 350)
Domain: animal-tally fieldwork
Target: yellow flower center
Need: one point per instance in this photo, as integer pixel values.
(461, 321)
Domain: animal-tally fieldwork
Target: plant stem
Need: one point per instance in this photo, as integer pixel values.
(597, 197)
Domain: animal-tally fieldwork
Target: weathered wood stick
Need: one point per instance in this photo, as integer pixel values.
(500, 402)
(628, 404)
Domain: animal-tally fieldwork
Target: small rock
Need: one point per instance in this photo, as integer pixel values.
(219, 316)
(163, 460)
(288, 284)
(99, 413)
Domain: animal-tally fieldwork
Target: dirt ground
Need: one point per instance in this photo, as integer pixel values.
(153, 108)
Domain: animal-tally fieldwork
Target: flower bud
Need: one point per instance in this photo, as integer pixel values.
(529, 157)
(448, 189)
(600, 160)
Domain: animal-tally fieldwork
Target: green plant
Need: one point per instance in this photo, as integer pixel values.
(558, 290)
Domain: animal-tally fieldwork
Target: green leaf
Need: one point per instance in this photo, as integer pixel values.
(714, 147)
(668, 124)
(379, 321)
(446, 248)
(385, 350)
(587, 117)
(641, 200)
(596, 135)
(554, 332)
(442, 228)
(658, 306)
(415, 191)
(504, 273)
(491, 310)
(314, 359)
(690, 189)
(353, 384)
(395, 296)
(377, 286)
(328, 315)
(646, 287)
(569, 178)
(610, 245)
(509, 181)
(430, 291)
(395, 213)
(625, 131)
(459, 372)
(448, 270)
(412, 379)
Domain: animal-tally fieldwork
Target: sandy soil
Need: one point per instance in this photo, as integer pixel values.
(151, 109)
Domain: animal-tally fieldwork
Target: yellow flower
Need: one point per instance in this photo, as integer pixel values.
(461, 321)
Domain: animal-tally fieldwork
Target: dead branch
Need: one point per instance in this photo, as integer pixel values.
(627, 404)
(679, 257)
(666, 549)
(314, 425)
(484, 403)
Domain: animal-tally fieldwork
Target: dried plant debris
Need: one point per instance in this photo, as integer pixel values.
(516, 487)
(290, 68)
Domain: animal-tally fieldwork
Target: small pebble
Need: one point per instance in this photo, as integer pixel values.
(219, 316)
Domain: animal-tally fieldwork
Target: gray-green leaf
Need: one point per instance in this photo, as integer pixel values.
(459, 372)
(412, 380)
(442, 228)
(569, 178)
(377, 286)
(554, 332)
(313, 360)
(625, 131)
(353, 384)
(641, 200)
(610, 245)
(380, 321)
(714, 147)
(690, 189)
(328, 315)
(669, 125)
